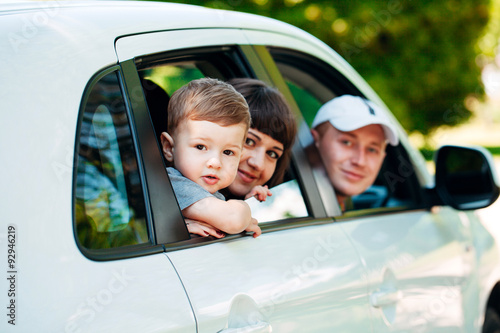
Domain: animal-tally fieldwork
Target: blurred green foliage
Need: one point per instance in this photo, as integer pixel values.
(421, 57)
(428, 153)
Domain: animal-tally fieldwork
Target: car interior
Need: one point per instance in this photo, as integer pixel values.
(311, 86)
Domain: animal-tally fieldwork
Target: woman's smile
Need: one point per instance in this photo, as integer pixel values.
(246, 176)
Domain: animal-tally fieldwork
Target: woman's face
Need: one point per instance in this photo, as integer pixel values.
(258, 162)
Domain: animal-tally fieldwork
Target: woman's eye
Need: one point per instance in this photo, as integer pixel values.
(273, 154)
(250, 142)
(201, 147)
(373, 150)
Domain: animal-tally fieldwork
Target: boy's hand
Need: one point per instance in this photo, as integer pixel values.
(254, 226)
(259, 192)
(203, 229)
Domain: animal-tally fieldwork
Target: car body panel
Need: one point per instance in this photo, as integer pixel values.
(302, 279)
(132, 46)
(424, 260)
(314, 274)
(72, 293)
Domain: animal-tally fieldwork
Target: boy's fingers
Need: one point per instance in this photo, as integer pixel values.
(202, 229)
(255, 228)
(257, 232)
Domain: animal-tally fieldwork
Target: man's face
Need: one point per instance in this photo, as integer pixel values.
(352, 159)
(206, 152)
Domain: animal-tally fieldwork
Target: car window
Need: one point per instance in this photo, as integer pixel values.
(109, 200)
(171, 77)
(168, 74)
(286, 202)
(313, 83)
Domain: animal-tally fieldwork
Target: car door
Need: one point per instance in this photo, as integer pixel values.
(302, 274)
(418, 259)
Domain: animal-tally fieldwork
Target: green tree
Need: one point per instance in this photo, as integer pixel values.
(419, 56)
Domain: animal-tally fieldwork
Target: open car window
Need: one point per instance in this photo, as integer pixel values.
(313, 83)
(162, 75)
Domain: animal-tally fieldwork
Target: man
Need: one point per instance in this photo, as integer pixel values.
(351, 135)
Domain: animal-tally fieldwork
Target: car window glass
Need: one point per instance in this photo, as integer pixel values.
(313, 83)
(109, 207)
(286, 202)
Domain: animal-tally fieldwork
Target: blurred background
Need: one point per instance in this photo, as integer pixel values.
(434, 63)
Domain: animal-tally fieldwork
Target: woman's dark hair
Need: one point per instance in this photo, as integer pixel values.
(270, 115)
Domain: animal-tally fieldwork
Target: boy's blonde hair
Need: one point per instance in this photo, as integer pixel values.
(210, 100)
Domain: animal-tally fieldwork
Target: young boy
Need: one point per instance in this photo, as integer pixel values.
(208, 122)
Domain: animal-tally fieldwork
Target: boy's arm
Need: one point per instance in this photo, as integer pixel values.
(232, 216)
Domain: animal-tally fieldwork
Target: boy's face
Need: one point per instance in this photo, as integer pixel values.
(205, 152)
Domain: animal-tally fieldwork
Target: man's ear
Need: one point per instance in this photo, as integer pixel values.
(316, 136)
(167, 146)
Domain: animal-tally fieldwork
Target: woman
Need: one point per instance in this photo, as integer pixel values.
(267, 150)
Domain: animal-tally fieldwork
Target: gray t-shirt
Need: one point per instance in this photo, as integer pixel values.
(187, 191)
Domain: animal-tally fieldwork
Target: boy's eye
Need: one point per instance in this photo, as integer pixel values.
(250, 142)
(228, 152)
(201, 147)
(373, 150)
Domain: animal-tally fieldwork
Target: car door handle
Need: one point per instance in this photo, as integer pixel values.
(383, 298)
(260, 327)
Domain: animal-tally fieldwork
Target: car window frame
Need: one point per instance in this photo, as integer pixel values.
(131, 251)
(255, 62)
(250, 65)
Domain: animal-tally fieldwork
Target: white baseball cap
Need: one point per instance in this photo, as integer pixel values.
(348, 113)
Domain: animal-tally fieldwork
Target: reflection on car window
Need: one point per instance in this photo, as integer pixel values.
(286, 202)
(109, 207)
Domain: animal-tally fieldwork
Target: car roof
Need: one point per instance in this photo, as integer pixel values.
(119, 18)
(69, 41)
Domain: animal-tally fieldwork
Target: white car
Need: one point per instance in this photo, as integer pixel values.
(92, 236)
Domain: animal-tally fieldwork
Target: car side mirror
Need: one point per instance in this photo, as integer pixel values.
(465, 177)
